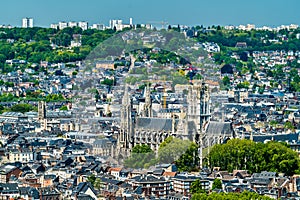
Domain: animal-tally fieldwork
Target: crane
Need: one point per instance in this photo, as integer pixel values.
(163, 23)
(192, 71)
(164, 93)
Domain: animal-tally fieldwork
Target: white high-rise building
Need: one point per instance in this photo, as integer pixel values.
(114, 23)
(98, 26)
(83, 25)
(27, 22)
(62, 25)
(72, 24)
(55, 26)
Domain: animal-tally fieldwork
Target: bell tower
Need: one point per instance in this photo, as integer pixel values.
(204, 107)
(198, 101)
(42, 114)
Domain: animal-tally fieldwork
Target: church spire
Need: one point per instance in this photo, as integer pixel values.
(126, 126)
(147, 109)
(126, 98)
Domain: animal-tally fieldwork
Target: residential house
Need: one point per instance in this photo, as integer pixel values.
(29, 193)
(263, 180)
(86, 190)
(31, 180)
(105, 64)
(38, 168)
(181, 183)
(102, 147)
(116, 171)
(151, 185)
(49, 180)
(9, 190)
(6, 171)
(49, 193)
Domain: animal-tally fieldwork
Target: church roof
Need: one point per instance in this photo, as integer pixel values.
(192, 128)
(169, 110)
(58, 114)
(289, 138)
(219, 128)
(158, 124)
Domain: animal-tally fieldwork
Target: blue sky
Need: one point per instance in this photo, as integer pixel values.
(189, 12)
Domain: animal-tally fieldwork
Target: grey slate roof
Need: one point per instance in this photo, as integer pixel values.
(31, 192)
(157, 124)
(148, 178)
(264, 174)
(291, 138)
(5, 169)
(192, 128)
(102, 142)
(219, 128)
(59, 114)
(9, 187)
(82, 196)
(83, 187)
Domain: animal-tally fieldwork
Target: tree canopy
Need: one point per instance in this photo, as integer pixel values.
(229, 196)
(254, 157)
(142, 156)
(217, 184)
(189, 161)
(22, 108)
(183, 153)
(196, 187)
(46, 44)
(171, 149)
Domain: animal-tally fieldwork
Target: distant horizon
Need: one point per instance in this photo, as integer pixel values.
(272, 13)
(158, 25)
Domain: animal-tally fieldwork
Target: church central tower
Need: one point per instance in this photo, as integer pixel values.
(198, 106)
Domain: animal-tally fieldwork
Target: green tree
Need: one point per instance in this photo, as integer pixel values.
(198, 77)
(244, 84)
(229, 196)
(196, 187)
(96, 92)
(289, 125)
(171, 149)
(141, 149)
(278, 72)
(261, 89)
(98, 184)
(199, 196)
(142, 156)
(189, 160)
(217, 184)
(2, 109)
(7, 97)
(182, 152)
(226, 81)
(9, 84)
(254, 157)
(54, 97)
(22, 108)
(109, 82)
(273, 123)
(74, 73)
(91, 178)
(64, 108)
